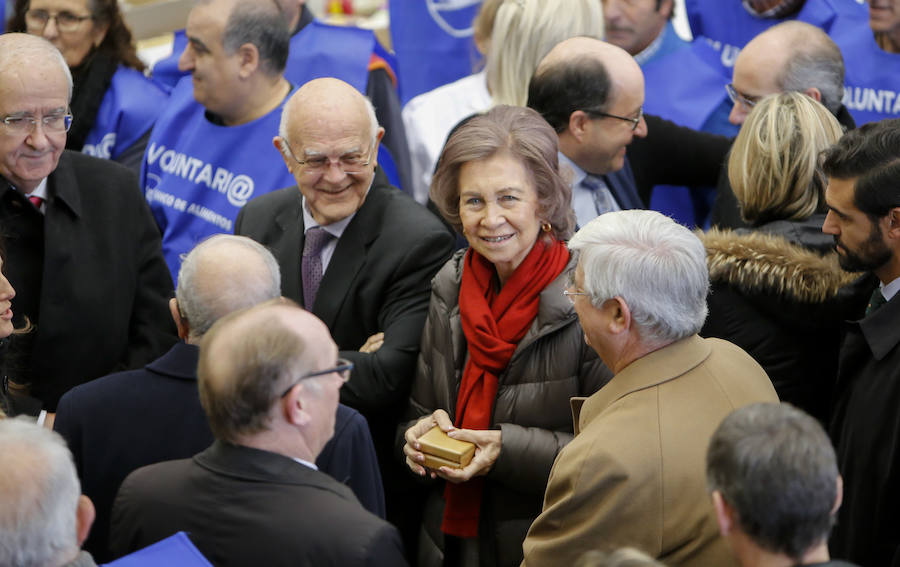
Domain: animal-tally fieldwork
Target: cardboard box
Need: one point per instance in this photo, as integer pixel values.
(442, 451)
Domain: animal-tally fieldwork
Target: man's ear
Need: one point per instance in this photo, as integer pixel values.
(280, 144)
(180, 322)
(892, 228)
(248, 57)
(619, 315)
(579, 123)
(724, 513)
(839, 495)
(293, 406)
(814, 93)
(84, 518)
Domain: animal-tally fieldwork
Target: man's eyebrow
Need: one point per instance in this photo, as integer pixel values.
(836, 211)
(196, 43)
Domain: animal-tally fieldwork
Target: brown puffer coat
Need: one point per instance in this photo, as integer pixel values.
(551, 364)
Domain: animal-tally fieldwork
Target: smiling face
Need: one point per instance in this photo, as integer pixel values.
(634, 24)
(215, 74)
(329, 127)
(498, 209)
(6, 294)
(860, 243)
(36, 90)
(74, 44)
(606, 137)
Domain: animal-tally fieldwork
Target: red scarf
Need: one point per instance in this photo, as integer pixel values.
(493, 324)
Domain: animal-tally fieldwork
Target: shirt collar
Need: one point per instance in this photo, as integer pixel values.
(578, 174)
(651, 49)
(890, 290)
(306, 463)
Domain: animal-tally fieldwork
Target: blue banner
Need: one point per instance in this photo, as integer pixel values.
(433, 43)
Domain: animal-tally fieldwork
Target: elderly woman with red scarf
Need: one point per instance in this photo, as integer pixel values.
(502, 350)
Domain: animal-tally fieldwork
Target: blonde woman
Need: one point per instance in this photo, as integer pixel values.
(777, 290)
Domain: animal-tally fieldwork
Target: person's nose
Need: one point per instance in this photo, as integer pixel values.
(51, 30)
(829, 226)
(38, 138)
(642, 129)
(493, 215)
(738, 114)
(6, 289)
(333, 172)
(186, 60)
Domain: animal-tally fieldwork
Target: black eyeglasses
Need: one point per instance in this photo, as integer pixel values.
(634, 121)
(343, 369)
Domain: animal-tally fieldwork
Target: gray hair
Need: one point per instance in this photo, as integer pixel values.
(816, 62)
(210, 288)
(370, 112)
(656, 265)
(18, 49)
(775, 466)
(39, 491)
(261, 23)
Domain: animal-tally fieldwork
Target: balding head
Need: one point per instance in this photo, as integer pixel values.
(251, 365)
(577, 86)
(21, 50)
(224, 273)
(790, 57)
(330, 127)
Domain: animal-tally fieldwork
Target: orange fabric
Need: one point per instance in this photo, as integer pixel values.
(377, 62)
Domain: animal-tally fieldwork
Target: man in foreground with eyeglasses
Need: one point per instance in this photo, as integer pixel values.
(634, 475)
(791, 56)
(353, 250)
(83, 252)
(127, 420)
(269, 378)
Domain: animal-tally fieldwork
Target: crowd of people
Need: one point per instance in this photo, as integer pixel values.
(650, 284)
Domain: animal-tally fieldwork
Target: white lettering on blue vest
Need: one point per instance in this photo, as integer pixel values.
(872, 100)
(103, 149)
(237, 188)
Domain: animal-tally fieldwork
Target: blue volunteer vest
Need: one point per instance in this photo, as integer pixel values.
(872, 77)
(196, 175)
(129, 109)
(176, 550)
(688, 100)
(729, 26)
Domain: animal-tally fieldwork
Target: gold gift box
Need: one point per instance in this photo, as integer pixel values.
(442, 451)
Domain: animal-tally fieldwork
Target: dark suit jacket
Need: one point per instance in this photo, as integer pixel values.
(379, 279)
(622, 185)
(125, 421)
(89, 273)
(244, 506)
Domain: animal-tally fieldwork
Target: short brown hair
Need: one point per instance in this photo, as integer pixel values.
(525, 135)
(238, 393)
(774, 163)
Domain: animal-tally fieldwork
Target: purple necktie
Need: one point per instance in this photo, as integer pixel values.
(311, 264)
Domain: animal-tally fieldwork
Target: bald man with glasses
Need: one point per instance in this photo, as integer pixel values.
(269, 379)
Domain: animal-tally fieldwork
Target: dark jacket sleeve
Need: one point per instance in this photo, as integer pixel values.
(382, 378)
(675, 155)
(151, 330)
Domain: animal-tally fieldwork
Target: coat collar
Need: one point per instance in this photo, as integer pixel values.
(651, 370)
(881, 330)
(62, 185)
(263, 466)
(179, 362)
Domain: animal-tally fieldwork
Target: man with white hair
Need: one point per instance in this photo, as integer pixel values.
(82, 250)
(640, 293)
(44, 517)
